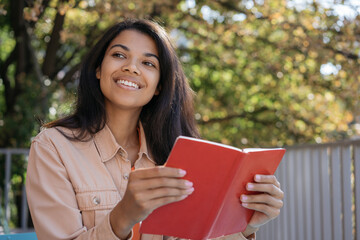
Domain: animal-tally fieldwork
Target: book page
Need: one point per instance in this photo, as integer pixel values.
(246, 150)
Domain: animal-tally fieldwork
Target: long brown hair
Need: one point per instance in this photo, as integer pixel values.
(167, 116)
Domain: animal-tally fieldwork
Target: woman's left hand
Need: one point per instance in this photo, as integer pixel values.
(267, 203)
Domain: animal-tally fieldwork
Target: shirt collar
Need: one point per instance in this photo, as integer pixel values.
(107, 146)
(143, 143)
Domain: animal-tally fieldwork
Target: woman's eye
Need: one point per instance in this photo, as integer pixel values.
(119, 55)
(149, 64)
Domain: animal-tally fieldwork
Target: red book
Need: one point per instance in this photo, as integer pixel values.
(220, 174)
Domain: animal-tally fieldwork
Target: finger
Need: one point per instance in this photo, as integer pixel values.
(262, 198)
(156, 203)
(271, 212)
(163, 193)
(266, 188)
(153, 183)
(267, 179)
(158, 172)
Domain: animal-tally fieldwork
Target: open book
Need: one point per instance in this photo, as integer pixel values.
(220, 174)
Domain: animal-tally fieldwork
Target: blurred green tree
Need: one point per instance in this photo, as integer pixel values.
(265, 72)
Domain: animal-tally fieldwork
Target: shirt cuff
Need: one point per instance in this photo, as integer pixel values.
(250, 237)
(237, 236)
(112, 232)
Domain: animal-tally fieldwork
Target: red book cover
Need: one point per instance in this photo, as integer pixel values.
(219, 174)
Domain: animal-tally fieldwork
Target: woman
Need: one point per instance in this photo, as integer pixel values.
(133, 101)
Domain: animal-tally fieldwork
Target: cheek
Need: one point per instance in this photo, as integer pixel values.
(157, 87)
(106, 68)
(152, 78)
(104, 82)
(156, 78)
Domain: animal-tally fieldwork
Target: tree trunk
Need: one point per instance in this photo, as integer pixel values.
(20, 57)
(49, 65)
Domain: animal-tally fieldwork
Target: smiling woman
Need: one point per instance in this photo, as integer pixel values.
(129, 73)
(96, 173)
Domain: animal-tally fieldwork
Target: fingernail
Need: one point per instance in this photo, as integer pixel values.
(250, 186)
(190, 190)
(183, 197)
(257, 177)
(188, 183)
(182, 172)
(244, 198)
(244, 204)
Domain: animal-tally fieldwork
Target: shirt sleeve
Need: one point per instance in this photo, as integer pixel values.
(52, 201)
(237, 236)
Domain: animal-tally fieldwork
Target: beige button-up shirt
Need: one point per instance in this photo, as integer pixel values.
(72, 186)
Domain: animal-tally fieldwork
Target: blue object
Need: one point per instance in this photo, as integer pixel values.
(19, 236)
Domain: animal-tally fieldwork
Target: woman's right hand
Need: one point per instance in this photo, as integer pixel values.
(147, 190)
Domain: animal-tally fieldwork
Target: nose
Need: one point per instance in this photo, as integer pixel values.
(131, 67)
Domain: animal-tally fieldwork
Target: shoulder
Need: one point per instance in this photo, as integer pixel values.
(47, 137)
(57, 136)
(59, 142)
(49, 134)
(45, 147)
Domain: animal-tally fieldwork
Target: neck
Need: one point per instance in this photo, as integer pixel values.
(123, 125)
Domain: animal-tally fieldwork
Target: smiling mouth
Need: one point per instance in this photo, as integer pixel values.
(128, 84)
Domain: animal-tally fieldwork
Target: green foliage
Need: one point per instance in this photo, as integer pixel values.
(255, 65)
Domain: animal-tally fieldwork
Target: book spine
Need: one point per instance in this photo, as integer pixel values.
(225, 191)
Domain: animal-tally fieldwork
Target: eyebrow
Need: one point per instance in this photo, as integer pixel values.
(128, 49)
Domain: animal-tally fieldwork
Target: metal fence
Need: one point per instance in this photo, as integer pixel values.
(6, 187)
(322, 193)
(322, 199)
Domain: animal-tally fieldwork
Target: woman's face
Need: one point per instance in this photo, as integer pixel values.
(130, 71)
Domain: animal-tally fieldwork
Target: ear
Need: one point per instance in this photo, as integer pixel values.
(98, 73)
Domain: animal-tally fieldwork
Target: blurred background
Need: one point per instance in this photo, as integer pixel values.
(265, 73)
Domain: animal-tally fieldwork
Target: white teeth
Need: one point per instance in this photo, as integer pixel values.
(127, 83)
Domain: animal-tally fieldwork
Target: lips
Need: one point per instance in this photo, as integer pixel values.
(128, 83)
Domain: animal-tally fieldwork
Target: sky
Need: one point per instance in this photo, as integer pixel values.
(349, 9)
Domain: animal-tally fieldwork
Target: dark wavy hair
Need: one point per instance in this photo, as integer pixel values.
(167, 115)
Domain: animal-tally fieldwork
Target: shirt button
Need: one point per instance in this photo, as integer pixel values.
(126, 176)
(96, 200)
